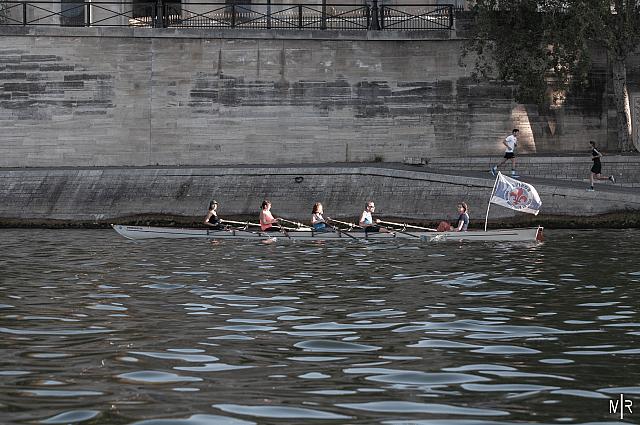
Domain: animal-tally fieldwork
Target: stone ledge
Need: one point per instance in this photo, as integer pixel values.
(101, 195)
(224, 33)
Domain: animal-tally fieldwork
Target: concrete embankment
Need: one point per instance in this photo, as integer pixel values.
(79, 197)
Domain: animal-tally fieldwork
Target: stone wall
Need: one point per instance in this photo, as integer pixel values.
(139, 97)
(112, 194)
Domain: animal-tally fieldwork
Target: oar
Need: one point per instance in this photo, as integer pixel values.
(283, 230)
(403, 232)
(290, 229)
(240, 223)
(304, 226)
(295, 223)
(340, 231)
(407, 226)
(351, 225)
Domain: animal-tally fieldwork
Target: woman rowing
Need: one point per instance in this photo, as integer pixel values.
(462, 224)
(366, 220)
(267, 220)
(317, 218)
(211, 219)
(463, 218)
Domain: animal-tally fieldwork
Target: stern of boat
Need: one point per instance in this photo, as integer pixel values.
(540, 234)
(120, 230)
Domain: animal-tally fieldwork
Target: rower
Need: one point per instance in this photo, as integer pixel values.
(366, 220)
(267, 220)
(211, 219)
(463, 218)
(317, 219)
(462, 223)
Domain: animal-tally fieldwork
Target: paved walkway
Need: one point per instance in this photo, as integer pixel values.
(601, 185)
(461, 171)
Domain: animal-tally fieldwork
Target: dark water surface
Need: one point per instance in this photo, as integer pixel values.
(96, 329)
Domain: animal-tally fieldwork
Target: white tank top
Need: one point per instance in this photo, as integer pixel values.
(366, 218)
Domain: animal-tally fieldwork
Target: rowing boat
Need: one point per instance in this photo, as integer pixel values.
(305, 234)
(507, 192)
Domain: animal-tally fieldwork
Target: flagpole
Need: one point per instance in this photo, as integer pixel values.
(491, 196)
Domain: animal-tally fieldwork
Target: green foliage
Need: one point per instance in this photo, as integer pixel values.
(538, 44)
(3, 11)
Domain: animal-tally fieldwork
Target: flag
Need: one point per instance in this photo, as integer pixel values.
(517, 195)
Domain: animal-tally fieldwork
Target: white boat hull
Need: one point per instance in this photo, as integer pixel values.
(507, 235)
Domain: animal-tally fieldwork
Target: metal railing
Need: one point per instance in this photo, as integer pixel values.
(265, 15)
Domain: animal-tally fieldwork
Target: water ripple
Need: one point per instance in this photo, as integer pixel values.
(156, 377)
(272, 310)
(424, 378)
(329, 346)
(177, 356)
(85, 331)
(279, 412)
(411, 407)
(439, 343)
(505, 349)
(196, 420)
(73, 416)
(580, 393)
(342, 326)
(212, 367)
(507, 387)
(60, 393)
(621, 390)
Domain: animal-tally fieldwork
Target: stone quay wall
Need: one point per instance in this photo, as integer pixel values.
(107, 195)
(175, 97)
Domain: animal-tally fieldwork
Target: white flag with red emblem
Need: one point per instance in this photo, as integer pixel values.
(517, 195)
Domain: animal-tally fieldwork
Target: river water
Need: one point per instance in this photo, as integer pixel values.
(97, 329)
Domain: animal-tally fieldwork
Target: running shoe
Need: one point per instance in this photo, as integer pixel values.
(494, 170)
(613, 179)
(590, 189)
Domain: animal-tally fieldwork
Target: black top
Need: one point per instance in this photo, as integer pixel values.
(595, 156)
(214, 220)
(464, 217)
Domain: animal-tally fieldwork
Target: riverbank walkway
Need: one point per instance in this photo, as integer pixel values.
(424, 190)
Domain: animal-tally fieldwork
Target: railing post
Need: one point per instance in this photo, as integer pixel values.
(158, 19)
(233, 15)
(450, 16)
(368, 12)
(382, 8)
(375, 23)
(166, 10)
(24, 13)
(88, 15)
(323, 23)
(268, 14)
(300, 16)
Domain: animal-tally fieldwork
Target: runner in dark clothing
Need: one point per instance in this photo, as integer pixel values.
(596, 168)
